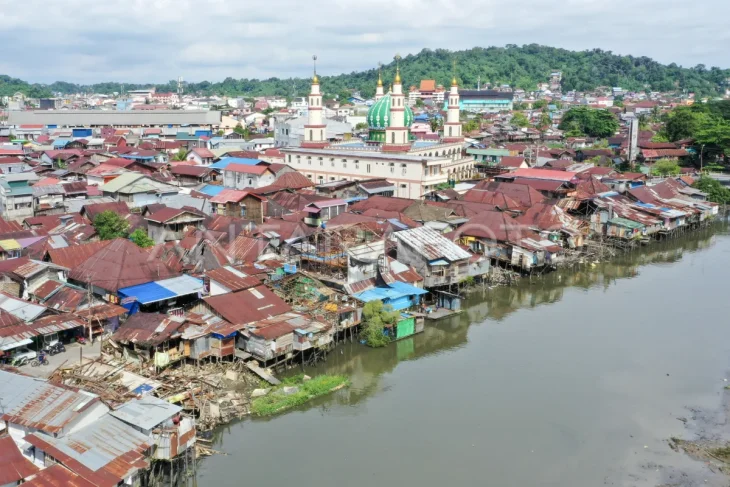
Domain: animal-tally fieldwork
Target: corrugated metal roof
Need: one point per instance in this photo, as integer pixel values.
(146, 413)
(13, 465)
(21, 309)
(55, 476)
(164, 289)
(232, 279)
(248, 306)
(38, 404)
(431, 244)
(105, 452)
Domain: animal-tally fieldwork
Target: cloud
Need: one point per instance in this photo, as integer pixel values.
(87, 41)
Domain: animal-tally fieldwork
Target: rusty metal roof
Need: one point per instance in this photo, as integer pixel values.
(431, 244)
(71, 257)
(35, 403)
(149, 328)
(14, 467)
(55, 476)
(248, 306)
(232, 279)
(120, 264)
(102, 311)
(104, 453)
(147, 412)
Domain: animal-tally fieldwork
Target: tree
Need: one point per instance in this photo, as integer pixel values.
(520, 120)
(436, 123)
(471, 125)
(665, 167)
(643, 121)
(343, 96)
(544, 122)
(716, 192)
(590, 121)
(239, 129)
(618, 103)
(419, 103)
(682, 122)
(376, 316)
(110, 225)
(539, 104)
(141, 238)
(361, 126)
(180, 155)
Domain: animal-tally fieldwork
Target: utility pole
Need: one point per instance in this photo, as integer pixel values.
(702, 150)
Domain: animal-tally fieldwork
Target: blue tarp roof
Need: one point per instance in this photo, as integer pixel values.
(147, 293)
(211, 190)
(61, 142)
(394, 290)
(165, 289)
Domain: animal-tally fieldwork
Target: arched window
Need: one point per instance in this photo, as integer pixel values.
(449, 131)
(321, 134)
(310, 135)
(392, 137)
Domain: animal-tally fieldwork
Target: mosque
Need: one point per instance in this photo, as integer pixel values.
(415, 167)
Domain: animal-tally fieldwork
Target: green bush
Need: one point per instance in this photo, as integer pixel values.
(276, 401)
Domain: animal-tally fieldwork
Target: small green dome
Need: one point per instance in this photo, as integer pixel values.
(379, 114)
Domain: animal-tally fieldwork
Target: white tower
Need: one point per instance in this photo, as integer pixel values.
(452, 127)
(397, 134)
(379, 90)
(314, 131)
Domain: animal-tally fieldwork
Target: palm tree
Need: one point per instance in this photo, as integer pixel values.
(181, 155)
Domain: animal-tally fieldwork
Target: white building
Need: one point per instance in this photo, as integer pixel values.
(242, 176)
(415, 167)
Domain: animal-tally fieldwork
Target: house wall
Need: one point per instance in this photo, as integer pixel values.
(239, 180)
(216, 289)
(254, 210)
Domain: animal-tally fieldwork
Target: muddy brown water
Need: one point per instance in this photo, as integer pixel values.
(574, 379)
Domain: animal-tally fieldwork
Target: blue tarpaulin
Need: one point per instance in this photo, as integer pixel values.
(399, 295)
(151, 292)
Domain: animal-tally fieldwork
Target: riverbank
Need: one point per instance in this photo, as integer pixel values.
(568, 384)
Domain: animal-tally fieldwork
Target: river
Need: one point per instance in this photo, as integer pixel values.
(575, 379)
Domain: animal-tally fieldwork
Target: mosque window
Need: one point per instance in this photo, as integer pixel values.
(449, 131)
(392, 138)
(310, 135)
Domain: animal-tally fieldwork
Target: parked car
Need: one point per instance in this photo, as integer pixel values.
(22, 356)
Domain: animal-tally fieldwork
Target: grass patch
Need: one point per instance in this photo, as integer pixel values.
(276, 401)
(722, 453)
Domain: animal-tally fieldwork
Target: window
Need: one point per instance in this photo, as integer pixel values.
(321, 162)
(332, 178)
(309, 160)
(392, 137)
(367, 168)
(344, 163)
(309, 176)
(357, 165)
(392, 168)
(332, 161)
(289, 157)
(238, 178)
(310, 134)
(403, 168)
(449, 131)
(321, 134)
(298, 158)
(250, 182)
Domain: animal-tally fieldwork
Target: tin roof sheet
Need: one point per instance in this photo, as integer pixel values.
(14, 467)
(147, 412)
(35, 403)
(431, 244)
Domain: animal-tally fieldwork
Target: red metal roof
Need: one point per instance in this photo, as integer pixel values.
(229, 196)
(14, 467)
(57, 476)
(71, 257)
(532, 173)
(247, 249)
(120, 264)
(94, 209)
(248, 306)
(246, 169)
(231, 280)
(164, 214)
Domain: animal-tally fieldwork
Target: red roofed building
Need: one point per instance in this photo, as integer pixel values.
(201, 156)
(236, 203)
(247, 306)
(533, 173)
(243, 176)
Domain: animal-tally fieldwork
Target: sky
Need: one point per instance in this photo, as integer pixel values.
(138, 41)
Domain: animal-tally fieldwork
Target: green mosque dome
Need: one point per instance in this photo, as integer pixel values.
(378, 118)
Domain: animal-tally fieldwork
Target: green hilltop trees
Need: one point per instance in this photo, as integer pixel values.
(592, 122)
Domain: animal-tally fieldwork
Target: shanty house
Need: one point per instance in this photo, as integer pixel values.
(242, 176)
(33, 405)
(172, 223)
(107, 452)
(170, 433)
(236, 203)
(137, 189)
(440, 261)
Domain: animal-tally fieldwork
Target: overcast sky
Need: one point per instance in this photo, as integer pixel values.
(86, 41)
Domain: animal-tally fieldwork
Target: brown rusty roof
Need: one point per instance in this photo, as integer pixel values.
(57, 476)
(73, 256)
(14, 467)
(148, 329)
(232, 279)
(248, 306)
(120, 264)
(93, 210)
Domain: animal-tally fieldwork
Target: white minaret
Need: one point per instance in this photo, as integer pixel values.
(397, 134)
(314, 131)
(379, 90)
(452, 127)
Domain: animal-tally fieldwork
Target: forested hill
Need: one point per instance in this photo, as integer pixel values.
(522, 67)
